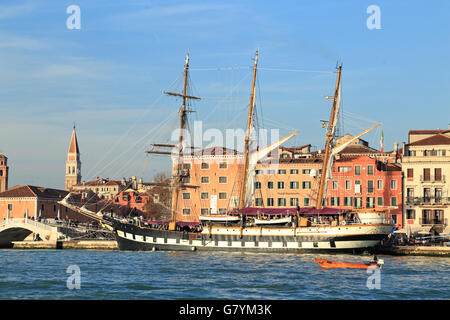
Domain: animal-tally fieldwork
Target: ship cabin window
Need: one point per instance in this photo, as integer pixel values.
(186, 211)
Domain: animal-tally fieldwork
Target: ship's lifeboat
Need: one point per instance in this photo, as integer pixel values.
(219, 218)
(345, 265)
(276, 221)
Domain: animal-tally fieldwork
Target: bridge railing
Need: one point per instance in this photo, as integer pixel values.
(29, 222)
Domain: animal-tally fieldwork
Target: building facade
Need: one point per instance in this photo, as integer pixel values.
(4, 171)
(426, 169)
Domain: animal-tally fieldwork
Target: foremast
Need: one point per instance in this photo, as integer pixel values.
(178, 174)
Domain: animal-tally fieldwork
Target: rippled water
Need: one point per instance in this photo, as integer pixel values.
(42, 274)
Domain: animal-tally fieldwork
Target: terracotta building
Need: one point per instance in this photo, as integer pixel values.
(73, 163)
(37, 202)
(3, 173)
(426, 172)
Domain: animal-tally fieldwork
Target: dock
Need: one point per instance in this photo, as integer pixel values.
(79, 244)
(436, 251)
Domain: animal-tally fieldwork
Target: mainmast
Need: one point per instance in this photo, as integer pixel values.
(178, 173)
(329, 140)
(247, 137)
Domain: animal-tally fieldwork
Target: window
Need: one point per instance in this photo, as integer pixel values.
(437, 194)
(293, 171)
(258, 202)
(348, 184)
(204, 166)
(282, 202)
(357, 170)
(222, 210)
(379, 201)
(438, 174)
(427, 194)
(222, 195)
(222, 179)
(344, 169)
(204, 211)
(204, 195)
(334, 185)
(394, 184)
(270, 202)
(358, 202)
(186, 195)
(282, 171)
(257, 185)
(293, 202)
(379, 184)
(426, 174)
(370, 170)
(306, 184)
(370, 202)
(370, 186)
(306, 171)
(410, 214)
(205, 179)
(357, 186)
(410, 173)
(306, 202)
(394, 201)
(348, 201)
(270, 171)
(293, 184)
(270, 184)
(334, 201)
(186, 166)
(223, 165)
(186, 212)
(280, 184)
(258, 172)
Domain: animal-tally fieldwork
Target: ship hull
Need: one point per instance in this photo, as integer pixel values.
(331, 239)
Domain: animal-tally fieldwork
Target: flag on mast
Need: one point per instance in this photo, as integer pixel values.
(381, 141)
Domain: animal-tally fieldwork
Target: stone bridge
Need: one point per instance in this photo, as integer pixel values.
(17, 229)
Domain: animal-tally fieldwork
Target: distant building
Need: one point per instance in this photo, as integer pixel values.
(73, 163)
(37, 202)
(426, 172)
(3, 173)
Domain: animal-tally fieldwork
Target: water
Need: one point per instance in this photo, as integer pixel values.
(42, 274)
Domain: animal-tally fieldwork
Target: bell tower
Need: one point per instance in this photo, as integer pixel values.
(73, 163)
(3, 173)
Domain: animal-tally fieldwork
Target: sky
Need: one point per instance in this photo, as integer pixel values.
(107, 77)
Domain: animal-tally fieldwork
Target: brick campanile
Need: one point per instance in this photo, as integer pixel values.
(3, 173)
(73, 163)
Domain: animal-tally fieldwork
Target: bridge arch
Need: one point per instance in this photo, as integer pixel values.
(18, 229)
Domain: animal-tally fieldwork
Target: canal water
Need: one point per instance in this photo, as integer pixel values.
(81, 274)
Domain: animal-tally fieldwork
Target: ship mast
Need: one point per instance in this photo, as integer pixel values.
(328, 141)
(178, 173)
(247, 137)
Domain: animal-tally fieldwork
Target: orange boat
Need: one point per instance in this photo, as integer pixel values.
(345, 265)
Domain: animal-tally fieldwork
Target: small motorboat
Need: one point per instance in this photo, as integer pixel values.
(346, 265)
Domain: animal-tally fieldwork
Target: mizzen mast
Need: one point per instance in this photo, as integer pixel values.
(329, 140)
(247, 137)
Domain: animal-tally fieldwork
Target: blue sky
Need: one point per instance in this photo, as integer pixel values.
(108, 76)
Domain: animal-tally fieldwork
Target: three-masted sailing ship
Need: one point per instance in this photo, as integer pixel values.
(244, 229)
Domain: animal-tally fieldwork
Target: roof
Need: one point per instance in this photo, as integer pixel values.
(73, 148)
(438, 139)
(216, 151)
(28, 191)
(94, 183)
(429, 131)
(358, 149)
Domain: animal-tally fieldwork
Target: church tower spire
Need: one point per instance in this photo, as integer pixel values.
(73, 163)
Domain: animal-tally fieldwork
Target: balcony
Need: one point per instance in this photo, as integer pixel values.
(443, 222)
(432, 178)
(427, 200)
